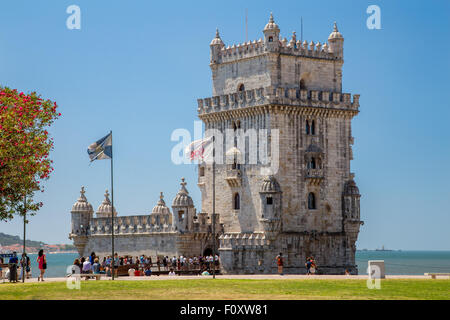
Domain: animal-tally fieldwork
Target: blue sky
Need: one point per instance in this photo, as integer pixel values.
(137, 68)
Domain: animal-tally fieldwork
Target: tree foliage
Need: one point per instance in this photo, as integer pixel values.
(25, 146)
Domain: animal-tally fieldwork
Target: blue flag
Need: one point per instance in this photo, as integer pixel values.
(101, 149)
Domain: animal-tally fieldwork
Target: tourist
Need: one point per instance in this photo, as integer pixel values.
(76, 268)
(172, 273)
(92, 258)
(96, 267)
(25, 263)
(195, 262)
(103, 264)
(42, 262)
(216, 263)
(280, 261)
(308, 266)
(116, 264)
(149, 261)
(148, 272)
(158, 263)
(174, 262)
(205, 273)
(13, 261)
(131, 272)
(87, 266)
(313, 266)
(1, 270)
(347, 272)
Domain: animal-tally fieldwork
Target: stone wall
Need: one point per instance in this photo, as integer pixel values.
(253, 253)
(152, 244)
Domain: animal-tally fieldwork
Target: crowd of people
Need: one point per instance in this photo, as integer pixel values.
(138, 266)
(143, 265)
(18, 269)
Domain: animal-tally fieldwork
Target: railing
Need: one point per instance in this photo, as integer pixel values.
(314, 173)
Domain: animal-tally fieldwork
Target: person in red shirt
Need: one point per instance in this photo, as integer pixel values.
(280, 261)
(42, 261)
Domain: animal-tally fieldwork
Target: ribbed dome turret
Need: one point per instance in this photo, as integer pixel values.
(217, 40)
(182, 199)
(271, 25)
(270, 185)
(104, 210)
(161, 208)
(351, 189)
(335, 34)
(82, 205)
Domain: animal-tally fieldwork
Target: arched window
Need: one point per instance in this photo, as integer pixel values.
(241, 87)
(269, 201)
(236, 202)
(312, 163)
(181, 215)
(236, 125)
(311, 201)
(270, 39)
(307, 127)
(313, 127)
(201, 172)
(302, 84)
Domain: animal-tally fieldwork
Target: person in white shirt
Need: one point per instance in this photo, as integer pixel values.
(87, 266)
(172, 273)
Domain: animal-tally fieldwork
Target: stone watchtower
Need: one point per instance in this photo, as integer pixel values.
(308, 205)
(82, 213)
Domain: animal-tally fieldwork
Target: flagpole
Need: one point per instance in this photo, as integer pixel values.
(214, 208)
(112, 211)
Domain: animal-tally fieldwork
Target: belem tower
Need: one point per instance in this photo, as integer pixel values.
(310, 206)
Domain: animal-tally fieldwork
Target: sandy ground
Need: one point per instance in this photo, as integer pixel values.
(249, 277)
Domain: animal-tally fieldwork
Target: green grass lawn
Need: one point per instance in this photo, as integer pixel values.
(225, 289)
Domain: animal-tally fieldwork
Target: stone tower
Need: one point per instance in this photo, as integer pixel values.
(309, 205)
(183, 209)
(82, 213)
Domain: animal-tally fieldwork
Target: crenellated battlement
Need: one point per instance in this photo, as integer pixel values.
(257, 47)
(239, 240)
(278, 96)
(129, 225)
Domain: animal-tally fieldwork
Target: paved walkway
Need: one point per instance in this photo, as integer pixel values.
(249, 277)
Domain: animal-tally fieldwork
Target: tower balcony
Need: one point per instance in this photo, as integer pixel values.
(233, 177)
(314, 176)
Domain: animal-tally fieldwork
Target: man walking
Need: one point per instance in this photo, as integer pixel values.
(308, 265)
(280, 261)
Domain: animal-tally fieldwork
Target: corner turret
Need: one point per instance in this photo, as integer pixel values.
(271, 34)
(336, 43)
(81, 215)
(216, 45)
(183, 209)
